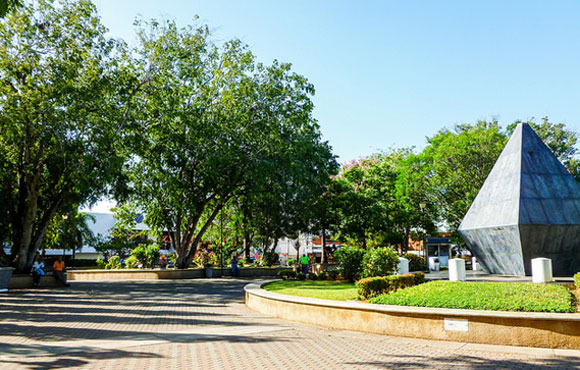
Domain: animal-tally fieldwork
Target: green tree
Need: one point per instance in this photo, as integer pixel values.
(215, 123)
(7, 6)
(62, 99)
(456, 164)
(69, 232)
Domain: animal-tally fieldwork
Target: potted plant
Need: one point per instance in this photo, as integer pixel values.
(5, 275)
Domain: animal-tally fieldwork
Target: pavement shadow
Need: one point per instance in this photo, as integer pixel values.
(44, 356)
(40, 314)
(470, 362)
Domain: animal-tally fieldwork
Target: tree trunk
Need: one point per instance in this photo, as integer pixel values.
(323, 256)
(247, 247)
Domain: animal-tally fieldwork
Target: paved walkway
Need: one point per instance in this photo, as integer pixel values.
(203, 324)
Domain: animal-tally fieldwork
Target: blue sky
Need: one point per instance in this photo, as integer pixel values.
(391, 73)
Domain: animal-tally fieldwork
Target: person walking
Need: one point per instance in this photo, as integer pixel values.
(58, 270)
(37, 270)
(304, 260)
(235, 268)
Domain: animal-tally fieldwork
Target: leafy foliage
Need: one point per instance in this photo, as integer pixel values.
(496, 296)
(146, 255)
(63, 95)
(217, 125)
(114, 263)
(577, 280)
(349, 260)
(379, 262)
(416, 262)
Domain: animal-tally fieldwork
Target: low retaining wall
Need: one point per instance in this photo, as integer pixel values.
(158, 274)
(549, 330)
(25, 281)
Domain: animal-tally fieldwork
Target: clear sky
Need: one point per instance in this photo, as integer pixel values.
(391, 73)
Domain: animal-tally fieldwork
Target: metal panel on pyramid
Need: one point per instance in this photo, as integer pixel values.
(528, 207)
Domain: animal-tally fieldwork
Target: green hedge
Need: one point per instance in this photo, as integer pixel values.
(375, 286)
(577, 280)
(496, 296)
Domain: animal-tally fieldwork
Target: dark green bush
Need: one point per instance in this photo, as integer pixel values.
(312, 276)
(284, 274)
(332, 274)
(379, 262)
(375, 286)
(291, 274)
(349, 261)
(301, 276)
(323, 276)
(497, 296)
(416, 262)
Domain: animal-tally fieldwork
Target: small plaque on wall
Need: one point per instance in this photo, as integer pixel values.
(456, 324)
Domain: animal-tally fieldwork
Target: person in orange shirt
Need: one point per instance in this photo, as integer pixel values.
(58, 271)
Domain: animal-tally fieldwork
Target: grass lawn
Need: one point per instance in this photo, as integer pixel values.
(528, 297)
(315, 289)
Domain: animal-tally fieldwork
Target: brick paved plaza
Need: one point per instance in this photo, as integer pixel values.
(203, 324)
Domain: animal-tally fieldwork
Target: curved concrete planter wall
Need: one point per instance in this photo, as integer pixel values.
(549, 330)
(156, 274)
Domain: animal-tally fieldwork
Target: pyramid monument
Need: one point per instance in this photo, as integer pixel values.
(528, 207)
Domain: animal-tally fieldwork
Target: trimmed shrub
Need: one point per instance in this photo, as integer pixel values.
(312, 276)
(291, 274)
(332, 274)
(100, 263)
(378, 285)
(349, 260)
(301, 276)
(577, 280)
(497, 296)
(379, 262)
(323, 276)
(416, 262)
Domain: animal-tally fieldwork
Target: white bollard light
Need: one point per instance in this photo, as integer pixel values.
(456, 269)
(403, 266)
(542, 270)
(474, 264)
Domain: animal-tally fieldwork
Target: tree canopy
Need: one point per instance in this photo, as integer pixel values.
(59, 117)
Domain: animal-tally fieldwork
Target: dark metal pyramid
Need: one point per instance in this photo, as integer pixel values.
(528, 207)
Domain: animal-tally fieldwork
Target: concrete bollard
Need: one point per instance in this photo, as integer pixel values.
(456, 269)
(542, 270)
(474, 264)
(403, 266)
(433, 263)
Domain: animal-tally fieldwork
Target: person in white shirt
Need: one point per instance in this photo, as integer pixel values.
(37, 271)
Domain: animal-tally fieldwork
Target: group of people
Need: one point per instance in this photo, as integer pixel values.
(58, 269)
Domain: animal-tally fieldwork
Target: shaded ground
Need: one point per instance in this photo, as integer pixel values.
(204, 324)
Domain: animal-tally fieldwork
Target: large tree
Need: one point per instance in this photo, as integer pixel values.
(61, 102)
(214, 124)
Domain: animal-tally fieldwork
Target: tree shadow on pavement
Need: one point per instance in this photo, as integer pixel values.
(471, 362)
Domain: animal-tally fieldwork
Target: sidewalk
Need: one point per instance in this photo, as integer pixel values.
(203, 323)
